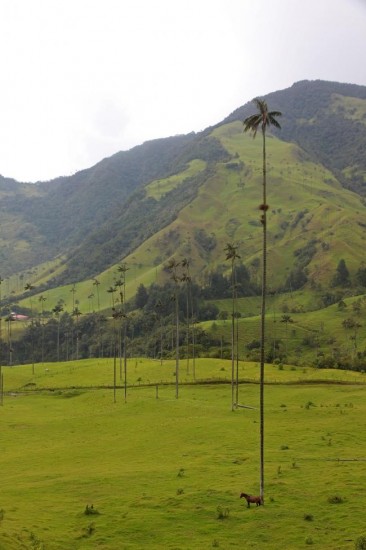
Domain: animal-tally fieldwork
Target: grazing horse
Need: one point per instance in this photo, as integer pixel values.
(251, 499)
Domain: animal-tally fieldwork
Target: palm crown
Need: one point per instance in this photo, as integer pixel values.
(263, 117)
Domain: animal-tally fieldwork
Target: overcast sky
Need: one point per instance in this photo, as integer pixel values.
(83, 79)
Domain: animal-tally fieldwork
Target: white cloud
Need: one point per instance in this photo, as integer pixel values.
(83, 79)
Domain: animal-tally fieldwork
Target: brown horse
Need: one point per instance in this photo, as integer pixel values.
(251, 499)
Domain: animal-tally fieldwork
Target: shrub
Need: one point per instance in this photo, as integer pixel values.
(88, 531)
(90, 510)
(361, 543)
(335, 499)
(308, 517)
(254, 344)
(222, 513)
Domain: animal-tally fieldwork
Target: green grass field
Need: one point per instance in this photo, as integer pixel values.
(167, 473)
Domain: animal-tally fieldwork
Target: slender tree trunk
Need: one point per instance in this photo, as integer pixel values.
(114, 373)
(237, 357)
(176, 345)
(125, 355)
(58, 340)
(188, 326)
(263, 315)
(232, 340)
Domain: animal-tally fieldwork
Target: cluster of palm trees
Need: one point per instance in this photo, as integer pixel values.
(180, 274)
(261, 120)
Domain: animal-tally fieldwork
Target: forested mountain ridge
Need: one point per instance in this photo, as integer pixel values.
(61, 213)
(189, 195)
(326, 119)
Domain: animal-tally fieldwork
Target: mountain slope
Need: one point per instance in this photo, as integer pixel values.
(190, 195)
(313, 222)
(328, 120)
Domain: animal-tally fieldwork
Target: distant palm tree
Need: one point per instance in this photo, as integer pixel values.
(111, 290)
(116, 315)
(173, 268)
(186, 278)
(42, 299)
(232, 255)
(123, 270)
(262, 119)
(29, 287)
(91, 302)
(286, 319)
(96, 283)
(57, 311)
(73, 290)
(158, 307)
(118, 283)
(76, 313)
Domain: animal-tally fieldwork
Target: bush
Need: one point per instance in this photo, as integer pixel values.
(335, 499)
(90, 510)
(222, 513)
(361, 543)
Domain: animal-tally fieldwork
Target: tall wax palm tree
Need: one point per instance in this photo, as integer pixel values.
(1, 342)
(262, 119)
(232, 255)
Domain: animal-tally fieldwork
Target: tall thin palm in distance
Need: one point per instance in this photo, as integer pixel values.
(262, 119)
(232, 255)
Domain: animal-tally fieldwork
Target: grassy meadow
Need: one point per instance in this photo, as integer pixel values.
(163, 472)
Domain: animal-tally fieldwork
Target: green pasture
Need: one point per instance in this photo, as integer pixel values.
(163, 472)
(99, 373)
(158, 188)
(309, 332)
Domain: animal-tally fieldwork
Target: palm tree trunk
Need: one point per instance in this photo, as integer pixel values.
(125, 356)
(176, 345)
(232, 346)
(263, 316)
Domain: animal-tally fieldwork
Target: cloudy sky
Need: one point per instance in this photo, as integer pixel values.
(83, 79)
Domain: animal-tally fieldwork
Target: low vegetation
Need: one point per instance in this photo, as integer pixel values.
(157, 472)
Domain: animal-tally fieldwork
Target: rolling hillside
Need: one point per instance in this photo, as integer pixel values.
(188, 196)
